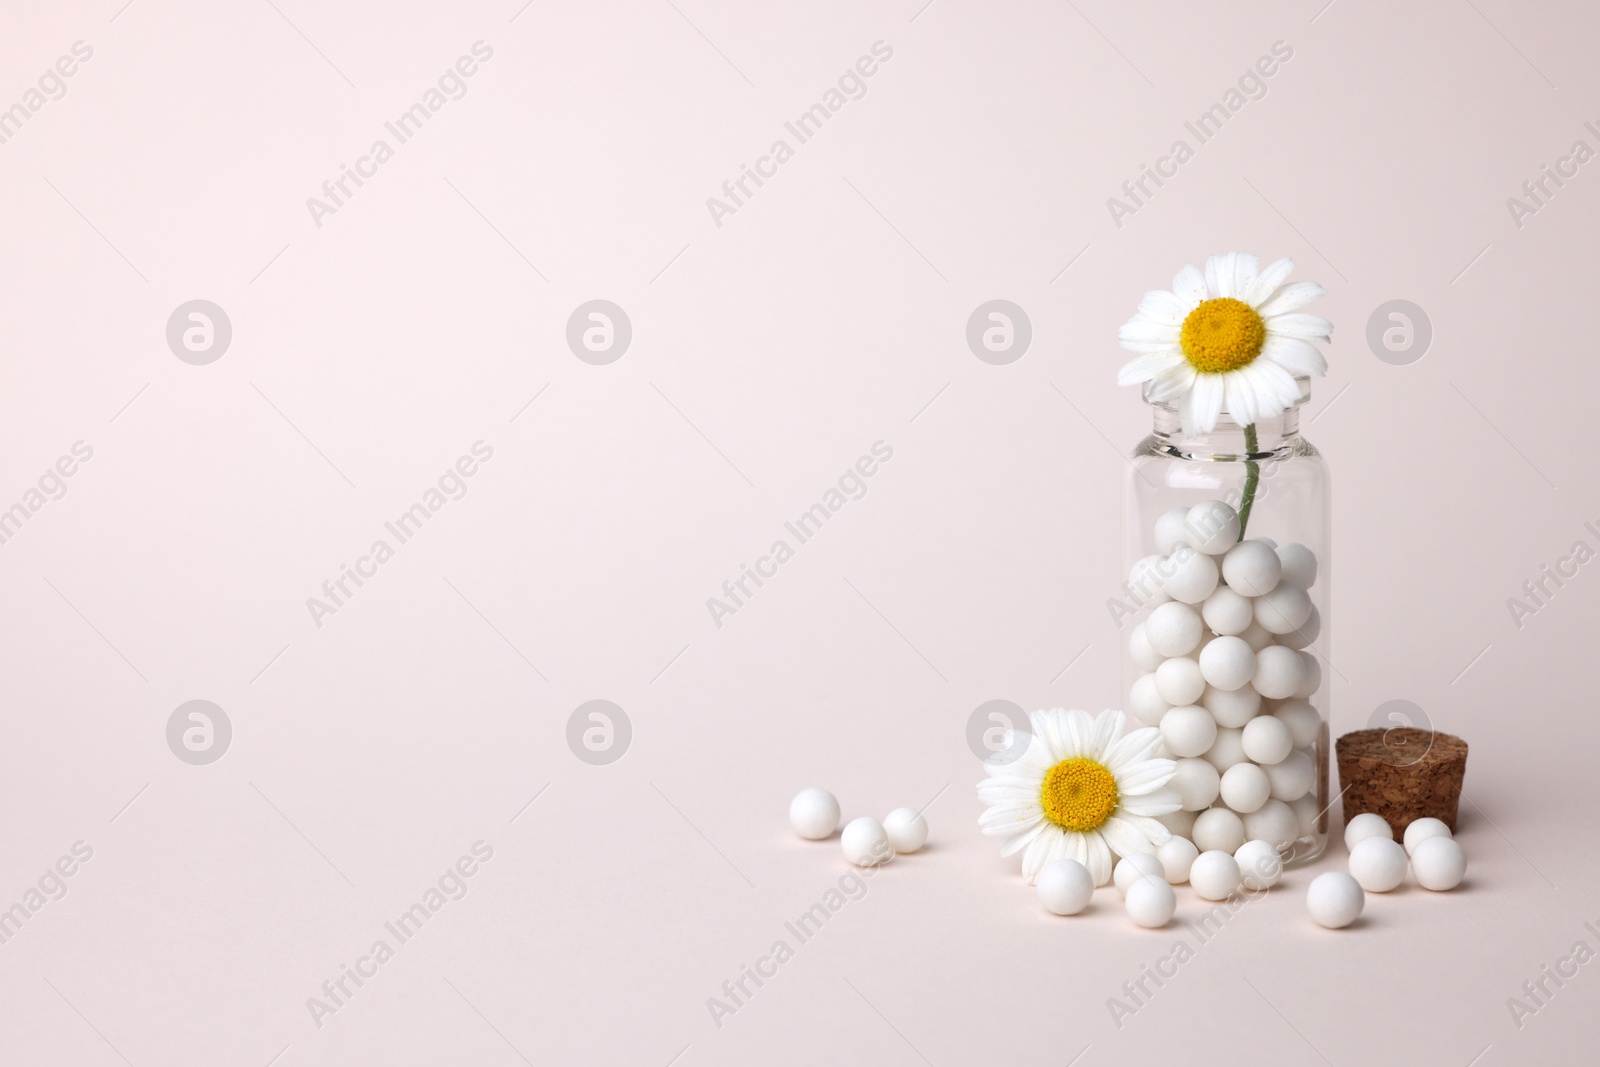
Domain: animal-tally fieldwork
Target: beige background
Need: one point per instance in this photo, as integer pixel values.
(768, 354)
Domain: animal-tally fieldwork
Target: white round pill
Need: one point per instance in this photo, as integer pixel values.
(1273, 821)
(1244, 787)
(1283, 610)
(1141, 651)
(1304, 634)
(1147, 580)
(1144, 700)
(1307, 812)
(1196, 782)
(1180, 823)
(1173, 629)
(1278, 672)
(1151, 902)
(1219, 830)
(1227, 663)
(1439, 863)
(1177, 856)
(1169, 530)
(1334, 899)
(814, 814)
(1422, 829)
(1226, 750)
(1211, 526)
(1193, 576)
(1251, 568)
(1260, 865)
(1291, 778)
(1231, 707)
(1256, 635)
(1303, 721)
(1367, 824)
(1227, 612)
(1299, 564)
(1065, 887)
(1214, 874)
(1130, 869)
(1310, 676)
(1266, 739)
(1378, 863)
(1189, 730)
(865, 842)
(907, 829)
(1179, 681)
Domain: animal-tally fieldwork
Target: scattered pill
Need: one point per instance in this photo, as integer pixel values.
(814, 814)
(1334, 899)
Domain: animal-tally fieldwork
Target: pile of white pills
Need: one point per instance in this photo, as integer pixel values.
(1378, 864)
(1145, 882)
(866, 842)
(1227, 678)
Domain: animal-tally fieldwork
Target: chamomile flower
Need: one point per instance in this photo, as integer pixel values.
(1081, 791)
(1232, 338)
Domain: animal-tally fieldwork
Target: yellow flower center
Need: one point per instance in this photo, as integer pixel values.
(1221, 335)
(1078, 794)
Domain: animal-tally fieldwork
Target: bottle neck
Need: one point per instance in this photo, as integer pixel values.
(1274, 437)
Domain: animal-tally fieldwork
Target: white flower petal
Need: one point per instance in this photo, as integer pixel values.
(1153, 831)
(1162, 306)
(1189, 286)
(1080, 728)
(1038, 854)
(1299, 324)
(1203, 404)
(1156, 802)
(1124, 839)
(1107, 728)
(1246, 267)
(1220, 272)
(1016, 844)
(1290, 297)
(1144, 367)
(1173, 382)
(1077, 847)
(1268, 281)
(1295, 356)
(1276, 390)
(1133, 749)
(1139, 331)
(1243, 403)
(1098, 859)
(1145, 778)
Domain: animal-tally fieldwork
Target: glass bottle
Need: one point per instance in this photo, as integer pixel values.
(1277, 484)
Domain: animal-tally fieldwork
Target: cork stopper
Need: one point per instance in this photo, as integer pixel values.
(1402, 774)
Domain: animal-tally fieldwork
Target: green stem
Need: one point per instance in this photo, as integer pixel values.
(1252, 478)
